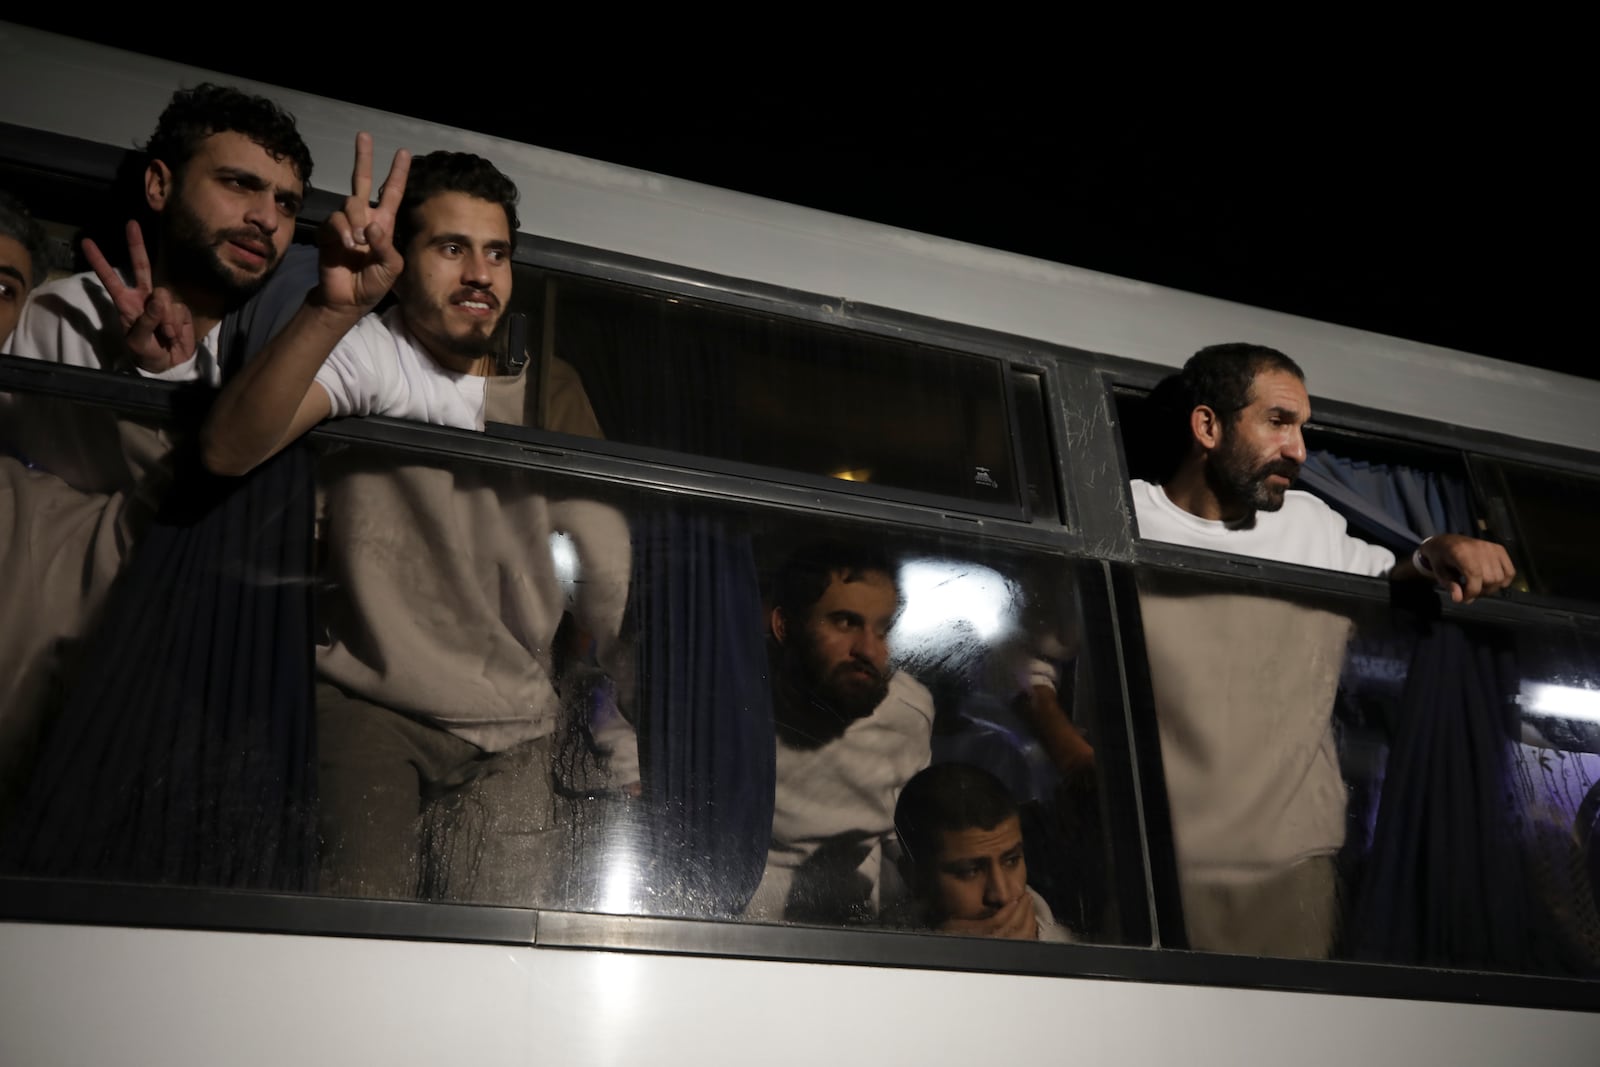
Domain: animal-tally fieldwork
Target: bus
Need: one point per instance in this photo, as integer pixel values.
(760, 378)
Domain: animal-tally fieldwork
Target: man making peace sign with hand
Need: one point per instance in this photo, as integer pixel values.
(436, 704)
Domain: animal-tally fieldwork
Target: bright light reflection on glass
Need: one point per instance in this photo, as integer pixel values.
(1561, 701)
(621, 879)
(564, 558)
(942, 597)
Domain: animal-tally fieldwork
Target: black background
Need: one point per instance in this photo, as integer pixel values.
(1445, 200)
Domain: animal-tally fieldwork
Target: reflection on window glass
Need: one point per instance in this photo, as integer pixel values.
(387, 674)
(1347, 783)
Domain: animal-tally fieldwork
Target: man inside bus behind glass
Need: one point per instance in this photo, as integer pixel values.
(23, 261)
(961, 842)
(851, 732)
(225, 178)
(1244, 685)
(436, 701)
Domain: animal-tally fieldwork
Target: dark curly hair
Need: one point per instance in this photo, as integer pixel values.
(452, 172)
(192, 115)
(21, 227)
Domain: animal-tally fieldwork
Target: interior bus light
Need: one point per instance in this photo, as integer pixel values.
(860, 474)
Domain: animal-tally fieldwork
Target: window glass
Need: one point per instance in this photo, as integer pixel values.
(1349, 782)
(380, 673)
(1551, 521)
(672, 372)
(1033, 421)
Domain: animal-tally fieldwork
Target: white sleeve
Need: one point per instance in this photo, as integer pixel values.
(187, 371)
(1360, 557)
(73, 321)
(65, 322)
(358, 375)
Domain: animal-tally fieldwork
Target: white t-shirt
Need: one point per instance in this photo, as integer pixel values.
(74, 321)
(1304, 531)
(845, 791)
(379, 369)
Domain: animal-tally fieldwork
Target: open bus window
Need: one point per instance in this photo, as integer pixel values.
(396, 674)
(676, 373)
(1390, 493)
(1348, 782)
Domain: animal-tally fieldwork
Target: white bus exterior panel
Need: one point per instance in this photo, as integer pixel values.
(64, 85)
(93, 995)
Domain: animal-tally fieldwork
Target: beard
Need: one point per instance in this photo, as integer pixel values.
(426, 319)
(852, 688)
(1242, 487)
(192, 251)
(490, 338)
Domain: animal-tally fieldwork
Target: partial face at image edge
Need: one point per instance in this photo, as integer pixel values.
(16, 282)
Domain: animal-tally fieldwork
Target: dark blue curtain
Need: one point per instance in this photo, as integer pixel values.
(1446, 882)
(1389, 504)
(185, 749)
(663, 374)
(1445, 879)
(184, 752)
(705, 722)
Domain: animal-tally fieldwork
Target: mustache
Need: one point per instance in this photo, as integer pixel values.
(862, 666)
(251, 236)
(1288, 468)
(482, 296)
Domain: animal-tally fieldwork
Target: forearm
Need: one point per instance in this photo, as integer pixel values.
(1061, 740)
(264, 406)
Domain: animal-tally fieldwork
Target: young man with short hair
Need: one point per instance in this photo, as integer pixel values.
(436, 710)
(961, 836)
(23, 261)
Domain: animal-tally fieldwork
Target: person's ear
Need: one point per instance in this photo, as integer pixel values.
(779, 626)
(159, 182)
(1206, 427)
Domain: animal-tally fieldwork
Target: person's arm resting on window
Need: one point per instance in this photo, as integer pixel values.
(1467, 567)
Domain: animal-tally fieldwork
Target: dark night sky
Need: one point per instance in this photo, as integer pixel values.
(1440, 205)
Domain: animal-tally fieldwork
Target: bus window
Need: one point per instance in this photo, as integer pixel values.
(1346, 781)
(679, 373)
(397, 673)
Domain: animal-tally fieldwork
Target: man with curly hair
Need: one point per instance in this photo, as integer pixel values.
(224, 180)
